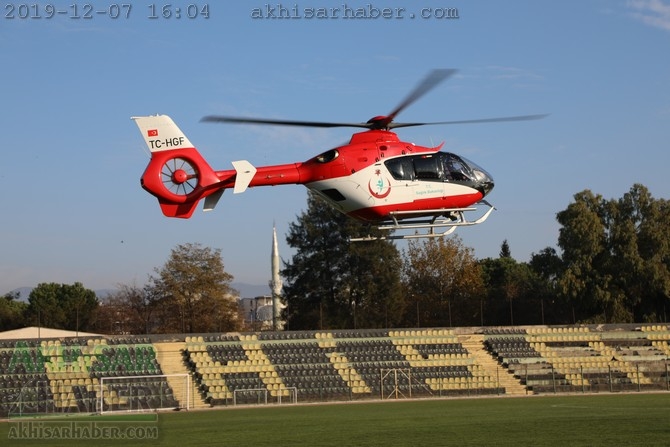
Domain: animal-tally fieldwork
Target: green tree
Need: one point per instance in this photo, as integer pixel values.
(547, 264)
(333, 283)
(62, 306)
(505, 251)
(548, 267)
(640, 247)
(443, 283)
(11, 311)
(194, 292)
(616, 256)
(514, 292)
(583, 239)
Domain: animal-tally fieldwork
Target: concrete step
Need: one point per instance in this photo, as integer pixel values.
(474, 343)
(169, 356)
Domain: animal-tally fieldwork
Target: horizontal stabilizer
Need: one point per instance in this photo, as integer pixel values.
(245, 173)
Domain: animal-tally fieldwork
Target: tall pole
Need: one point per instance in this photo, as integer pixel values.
(275, 284)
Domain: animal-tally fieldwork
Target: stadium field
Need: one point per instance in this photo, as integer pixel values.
(579, 420)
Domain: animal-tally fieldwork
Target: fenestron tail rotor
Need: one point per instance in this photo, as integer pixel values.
(179, 176)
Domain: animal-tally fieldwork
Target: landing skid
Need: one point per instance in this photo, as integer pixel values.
(427, 223)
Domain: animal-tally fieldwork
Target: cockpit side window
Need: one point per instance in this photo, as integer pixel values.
(401, 168)
(428, 168)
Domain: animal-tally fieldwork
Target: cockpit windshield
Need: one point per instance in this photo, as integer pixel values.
(479, 174)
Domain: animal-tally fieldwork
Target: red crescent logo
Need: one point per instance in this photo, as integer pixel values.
(380, 185)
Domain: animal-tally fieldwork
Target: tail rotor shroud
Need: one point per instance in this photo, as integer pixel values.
(180, 176)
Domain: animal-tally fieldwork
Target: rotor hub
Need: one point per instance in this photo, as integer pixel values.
(180, 176)
(379, 122)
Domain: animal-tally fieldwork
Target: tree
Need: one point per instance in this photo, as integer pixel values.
(194, 292)
(583, 239)
(130, 309)
(616, 255)
(548, 267)
(334, 283)
(640, 241)
(62, 306)
(505, 251)
(547, 264)
(443, 282)
(512, 292)
(11, 311)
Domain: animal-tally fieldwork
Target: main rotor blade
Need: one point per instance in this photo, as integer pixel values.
(485, 120)
(244, 120)
(429, 82)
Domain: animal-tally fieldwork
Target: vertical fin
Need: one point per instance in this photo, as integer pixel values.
(160, 133)
(212, 199)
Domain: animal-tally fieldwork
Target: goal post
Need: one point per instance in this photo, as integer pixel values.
(144, 393)
(250, 396)
(397, 383)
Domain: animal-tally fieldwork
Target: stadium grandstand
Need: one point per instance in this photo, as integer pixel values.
(44, 371)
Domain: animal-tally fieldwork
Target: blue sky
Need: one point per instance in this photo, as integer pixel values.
(73, 209)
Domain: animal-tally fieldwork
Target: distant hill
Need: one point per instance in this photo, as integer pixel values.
(246, 291)
(251, 290)
(22, 291)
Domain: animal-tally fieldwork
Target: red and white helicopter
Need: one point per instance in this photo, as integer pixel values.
(410, 190)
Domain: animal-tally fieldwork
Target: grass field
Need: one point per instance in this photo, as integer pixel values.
(589, 420)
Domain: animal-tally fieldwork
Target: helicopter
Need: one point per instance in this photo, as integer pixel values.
(409, 190)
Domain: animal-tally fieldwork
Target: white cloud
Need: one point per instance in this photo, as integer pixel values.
(651, 12)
